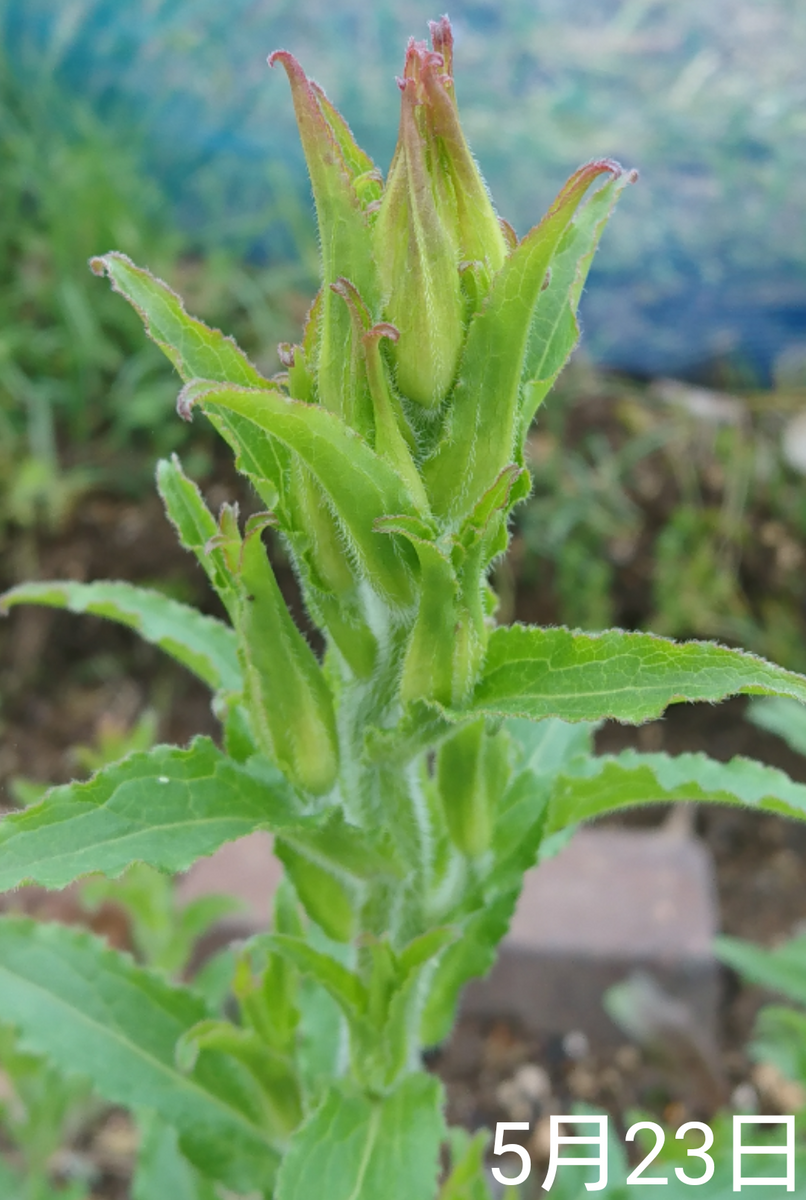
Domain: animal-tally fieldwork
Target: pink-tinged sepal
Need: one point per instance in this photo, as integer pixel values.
(417, 253)
(435, 214)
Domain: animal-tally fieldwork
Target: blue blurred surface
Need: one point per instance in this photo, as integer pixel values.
(706, 259)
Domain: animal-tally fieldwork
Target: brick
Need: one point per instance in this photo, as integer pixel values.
(612, 902)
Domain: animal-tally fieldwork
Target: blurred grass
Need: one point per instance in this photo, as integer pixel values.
(84, 398)
(708, 256)
(133, 128)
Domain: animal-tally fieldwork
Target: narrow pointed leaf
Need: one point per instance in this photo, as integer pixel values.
(166, 807)
(367, 1149)
(782, 969)
(554, 330)
(630, 677)
(202, 644)
(482, 421)
(332, 158)
(611, 783)
(92, 1012)
(340, 983)
(359, 485)
(196, 351)
(194, 523)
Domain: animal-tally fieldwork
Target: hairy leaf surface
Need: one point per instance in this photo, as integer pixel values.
(359, 485)
(202, 644)
(93, 1012)
(631, 677)
(482, 423)
(194, 349)
(614, 782)
(166, 807)
(366, 1149)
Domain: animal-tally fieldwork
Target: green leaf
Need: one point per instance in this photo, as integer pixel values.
(480, 441)
(366, 1149)
(630, 677)
(780, 1039)
(330, 867)
(166, 807)
(162, 1170)
(358, 484)
(345, 988)
(194, 349)
(780, 970)
(467, 1180)
(547, 746)
(554, 330)
(273, 1072)
(194, 523)
(202, 644)
(615, 782)
(333, 159)
(470, 956)
(786, 718)
(94, 1013)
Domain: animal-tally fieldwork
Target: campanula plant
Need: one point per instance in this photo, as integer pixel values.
(410, 774)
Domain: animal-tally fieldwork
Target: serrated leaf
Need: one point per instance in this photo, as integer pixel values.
(366, 1149)
(782, 969)
(204, 645)
(95, 1013)
(630, 677)
(166, 807)
(480, 439)
(359, 484)
(614, 782)
(194, 349)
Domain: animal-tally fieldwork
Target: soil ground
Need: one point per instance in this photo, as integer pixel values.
(63, 677)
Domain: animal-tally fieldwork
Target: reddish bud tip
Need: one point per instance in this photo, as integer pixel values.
(383, 329)
(286, 58)
(185, 401)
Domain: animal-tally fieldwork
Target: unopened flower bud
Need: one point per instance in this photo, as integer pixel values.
(435, 215)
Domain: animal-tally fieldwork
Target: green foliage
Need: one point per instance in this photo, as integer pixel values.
(782, 717)
(42, 1106)
(368, 1148)
(415, 770)
(95, 1014)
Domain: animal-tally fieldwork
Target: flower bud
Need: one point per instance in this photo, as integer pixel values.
(435, 214)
